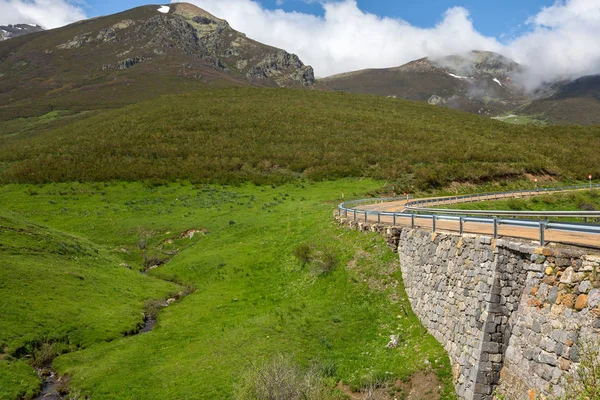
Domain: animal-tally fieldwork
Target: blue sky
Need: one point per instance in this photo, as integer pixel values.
(499, 18)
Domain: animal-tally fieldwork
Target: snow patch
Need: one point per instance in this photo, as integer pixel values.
(497, 81)
(164, 9)
(457, 76)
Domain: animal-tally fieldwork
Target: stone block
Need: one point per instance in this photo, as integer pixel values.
(567, 276)
(581, 302)
(594, 298)
(569, 300)
(564, 364)
(585, 286)
(548, 358)
(491, 347)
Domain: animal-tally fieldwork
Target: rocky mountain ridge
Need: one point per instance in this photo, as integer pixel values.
(480, 82)
(143, 50)
(11, 31)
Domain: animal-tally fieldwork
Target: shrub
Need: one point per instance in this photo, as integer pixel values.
(326, 260)
(303, 253)
(584, 384)
(281, 379)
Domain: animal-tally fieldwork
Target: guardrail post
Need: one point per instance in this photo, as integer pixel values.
(495, 228)
(543, 233)
(339, 212)
(461, 221)
(585, 220)
(394, 219)
(355, 215)
(346, 210)
(378, 218)
(365, 217)
(412, 221)
(434, 218)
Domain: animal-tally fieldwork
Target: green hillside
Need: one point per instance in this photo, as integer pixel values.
(253, 297)
(276, 135)
(60, 293)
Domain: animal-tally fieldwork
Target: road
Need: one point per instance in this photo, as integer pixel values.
(551, 235)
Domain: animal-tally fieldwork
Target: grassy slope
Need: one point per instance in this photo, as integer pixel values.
(252, 299)
(17, 380)
(235, 135)
(60, 289)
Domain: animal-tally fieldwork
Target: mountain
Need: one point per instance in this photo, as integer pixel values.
(479, 82)
(569, 102)
(131, 56)
(11, 31)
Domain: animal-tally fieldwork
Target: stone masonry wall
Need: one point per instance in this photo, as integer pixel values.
(510, 315)
(464, 290)
(559, 310)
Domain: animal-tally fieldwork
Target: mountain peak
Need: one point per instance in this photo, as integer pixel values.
(11, 31)
(140, 47)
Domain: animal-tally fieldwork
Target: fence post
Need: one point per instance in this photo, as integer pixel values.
(495, 228)
(434, 218)
(542, 233)
(461, 221)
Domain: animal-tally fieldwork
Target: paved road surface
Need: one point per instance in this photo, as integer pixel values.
(551, 235)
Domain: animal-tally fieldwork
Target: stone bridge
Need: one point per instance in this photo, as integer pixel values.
(512, 316)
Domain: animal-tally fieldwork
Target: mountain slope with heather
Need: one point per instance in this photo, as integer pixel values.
(134, 55)
(482, 83)
(570, 102)
(479, 82)
(276, 135)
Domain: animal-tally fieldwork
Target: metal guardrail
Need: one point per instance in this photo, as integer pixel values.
(481, 216)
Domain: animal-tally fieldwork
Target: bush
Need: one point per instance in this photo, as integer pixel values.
(281, 379)
(326, 260)
(303, 253)
(584, 384)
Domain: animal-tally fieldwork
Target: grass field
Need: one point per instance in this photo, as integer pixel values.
(231, 136)
(251, 297)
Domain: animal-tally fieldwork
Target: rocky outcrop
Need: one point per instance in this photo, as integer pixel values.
(280, 63)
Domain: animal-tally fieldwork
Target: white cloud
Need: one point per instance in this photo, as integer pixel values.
(47, 13)
(563, 42)
(347, 38)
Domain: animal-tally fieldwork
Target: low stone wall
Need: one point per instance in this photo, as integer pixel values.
(509, 314)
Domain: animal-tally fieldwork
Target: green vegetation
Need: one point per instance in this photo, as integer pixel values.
(20, 128)
(252, 298)
(584, 383)
(275, 135)
(17, 380)
(521, 120)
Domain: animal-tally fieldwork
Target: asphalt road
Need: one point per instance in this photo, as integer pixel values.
(551, 235)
